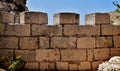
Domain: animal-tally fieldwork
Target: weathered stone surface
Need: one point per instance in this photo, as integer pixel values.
(44, 42)
(6, 53)
(26, 55)
(73, 67)
(95, 64)
(2, 28)
(62, 65)
(47, 55)
(63, 42)
(86, 42)
(47, 66)
(101, 54)
(31, 65)
(97, 18)
(33, 18)
(73, 55)
(84, 65)
(104, 42)
(116, 40)
(28, 43)
(75, 30)
(90, 55)
(66, 18)
(9, 42)
(115, 52)
(110, 30)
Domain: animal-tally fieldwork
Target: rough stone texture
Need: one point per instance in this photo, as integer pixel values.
(95, 64)
(26, 55)
(17, 30)
(110, 30)
(6, 53)
(33, 18)
(73, 55)
(31, 65)
(86, 42)
(104, 42)
(115, 52)
(90, 55)
(60, 18)
(78, 30)
(84, 65)
(63, 42)
(47, 66)
(44, 42)
(47, 55)
(62, 65)
(2, 28)
(116, 40)
(28, 43)
(9, 42)
(73, 67)
(97, 18)
(101, 54)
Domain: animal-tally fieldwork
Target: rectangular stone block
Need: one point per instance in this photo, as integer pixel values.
(85, 66)
(2, 28)
(110, 29)
(97, 18)
(9, 42)
(95, 64)
(47, 66)
(33, 18)
(114, 52)
(44, 42)
(104, 42)
(62, 66)
(66, 18)
(86, 42)
(47, 55)
(31, 65)
(17, 30)
(116, 40)
(73, 55)
(101, 54)
(90, 54)
(28, 43)
(73, 67)
(63, 42)
(81, 30)
(26, 55)
(6, 17)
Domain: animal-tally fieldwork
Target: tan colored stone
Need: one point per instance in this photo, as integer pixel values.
(28, 43)
(73, 67)
(95, 64)
(97, 18)
(31, 65)
(62, 65)
(90, 55)
(73, 55)
(47, 66)
(85, 66)
(86, 42)
(44, 42)
(33, 18)
(66, 18)
(9, 42)
(2, 29)
(110, 29)
(47, 55)
(115, 52)
(63, 42)
(81, 30)
(101, 54)
(116, 40)
(26, 55)
(104, 42)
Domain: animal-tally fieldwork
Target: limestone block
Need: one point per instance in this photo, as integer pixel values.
(44, 42)
(95, 64)
(97, 18)
(33, 18)
(66, 18)
(73, 67)
(47, 66)
(31, 65)
(90, 55)
(9, 42)
(62, 65)
(85, 66)
(116, 40)
(28, 43)
(115, 52)
(63, 42)
(47, 55)
(86, 42)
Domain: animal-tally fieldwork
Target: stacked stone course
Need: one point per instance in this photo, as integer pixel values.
(63, 46)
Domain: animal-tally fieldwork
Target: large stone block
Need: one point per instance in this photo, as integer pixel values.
(104, 42)
(90, 55)
(116, 40)
(2, 28)
(115, 52)
(66, 18)
(82, 30)
(96, 64)
(73, 55)
(9, 42)
(86, 42)
(63, 42)
(73, 67)
(62, 65)
(26, 55)
(47, 66)
(29, 43)
(110, 30)
(85, 66)
(97, 18)
(31, 65)
(44, 42)
(47, 55)
(33, 18)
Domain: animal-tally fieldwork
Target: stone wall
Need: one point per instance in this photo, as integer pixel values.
(63, 46)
